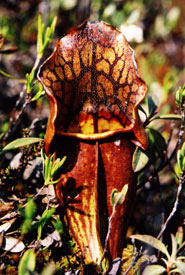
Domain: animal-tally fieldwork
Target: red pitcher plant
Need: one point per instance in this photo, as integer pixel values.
(94, 90)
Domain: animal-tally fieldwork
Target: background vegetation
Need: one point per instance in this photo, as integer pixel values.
(155, 29)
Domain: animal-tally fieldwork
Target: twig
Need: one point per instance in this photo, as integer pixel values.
(13, 246)
(181, 181)
(14, 213)
(134, 258)
(14, 121)
(108, 234)
(181, 132)
(168, 159)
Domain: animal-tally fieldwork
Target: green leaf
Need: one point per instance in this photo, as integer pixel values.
(58, 225)
(29, 81)
(140, 107)
(153, 242)
(38, 95)
(57, 165)
(40, 36)
(50, 168)
(139, 160)
(29, 214)
(179, 235)
(27, 263)
(30, 210)
(44, 36)
(181, 266)
(20, 142)
(151, 106)
(174, 246)
(157, 142)
(180, 94)
(112, 196)
(154, 270)
(181, 157)
(168, 117)
(47, 214)
(118, 198)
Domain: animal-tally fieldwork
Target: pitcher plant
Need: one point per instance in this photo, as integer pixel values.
(94, 90)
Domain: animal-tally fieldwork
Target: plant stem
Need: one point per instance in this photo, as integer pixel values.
(108, 234)
(181, 182)
(14, 122)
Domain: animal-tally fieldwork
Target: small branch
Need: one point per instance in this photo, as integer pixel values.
(181, 181)
(168, 159)
(108, 234)
(14, 213)
(14, 121)
(181, 132)
(134, 259)
(13, 246)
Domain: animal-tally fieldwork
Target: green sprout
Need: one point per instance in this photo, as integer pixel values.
(44, 35)
(117, 198)
(30, 81)
(180, 96)
(181, 158)
(51, 167)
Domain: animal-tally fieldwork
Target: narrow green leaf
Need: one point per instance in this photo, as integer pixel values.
(59, 164)
(53, 25)
(30, 210)
(27, 263)
(168, 117)
(152, 106)
(140, 107)
(32, 75)
(154, 270)
(51, 182)
(180, 94)
(174, 246)
(139, 160)
(38, 95)
(46, 37)
(27, 82)
(179, 235)
(20, 142)
(158, 142)
(153, 242)
(40, 36)
(181, 157)
(112, 196)
(58, 225)
(47, 214)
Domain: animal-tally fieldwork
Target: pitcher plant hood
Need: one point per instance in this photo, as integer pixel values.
(93, 86)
